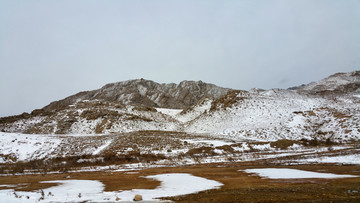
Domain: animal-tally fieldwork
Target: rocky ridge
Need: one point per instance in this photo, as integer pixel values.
(148, 93)
(327, 109)
(336, 84)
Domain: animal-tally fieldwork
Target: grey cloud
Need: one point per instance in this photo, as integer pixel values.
(52, 49)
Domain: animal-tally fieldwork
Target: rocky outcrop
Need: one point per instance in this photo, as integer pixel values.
(329, 107)
(147, 93)
(337, 84)
(127, 105)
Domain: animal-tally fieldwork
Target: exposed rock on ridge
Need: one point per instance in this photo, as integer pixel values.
(142, 92)
(339, 83)
(328, 109)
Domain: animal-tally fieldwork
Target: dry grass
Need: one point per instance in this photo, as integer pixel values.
(241, 187)
(100, 127)
(201, 152)
(283, 144)
(238, 186)
(145, 108)
(65, 164)
(140, 147)
(227, 100)
(112, 181)
(315, 142)
(98, 113)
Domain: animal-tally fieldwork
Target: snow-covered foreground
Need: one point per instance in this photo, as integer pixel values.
(286, 173)
(173, 184)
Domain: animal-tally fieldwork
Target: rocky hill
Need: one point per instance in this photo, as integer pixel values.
(279, 114)
(337, 84)
(147, 93)
(116, 107)
(327, 109)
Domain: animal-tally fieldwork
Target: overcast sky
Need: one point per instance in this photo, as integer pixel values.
(52, 49)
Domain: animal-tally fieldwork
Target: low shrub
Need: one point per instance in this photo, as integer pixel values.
(283, 144)
(201, 151)
(316, 142)
(65, 164)
(226, 148)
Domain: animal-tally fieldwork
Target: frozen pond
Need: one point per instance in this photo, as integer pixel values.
(172, 184)
(286, 173)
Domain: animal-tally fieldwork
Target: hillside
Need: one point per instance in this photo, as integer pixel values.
(146, 93)
(103, 134)
(327, 109)
(116, 107)
(337, 84)
(279, 114)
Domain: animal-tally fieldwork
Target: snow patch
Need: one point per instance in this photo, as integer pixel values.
(346, 159)
(286, 173)
(215, 143)
(173, 184)
(169, 112)
(25, 147)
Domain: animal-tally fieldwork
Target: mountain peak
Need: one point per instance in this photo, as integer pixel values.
(131, 105)
(141, 92)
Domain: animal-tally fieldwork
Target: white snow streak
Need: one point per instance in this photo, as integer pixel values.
(101, 148)
(286, 173)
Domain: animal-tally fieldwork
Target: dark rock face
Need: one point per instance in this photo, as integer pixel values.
(147, 93)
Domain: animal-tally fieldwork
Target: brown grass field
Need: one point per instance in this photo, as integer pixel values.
(238, 186)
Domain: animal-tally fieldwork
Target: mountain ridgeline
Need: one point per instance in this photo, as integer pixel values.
(327, 109)
(147, 93)
(337, 84)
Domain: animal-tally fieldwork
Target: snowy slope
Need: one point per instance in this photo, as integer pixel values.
(25, 147)
(21, 147)
(89, 117)
(338, 83)
(264, 115)
(256, 114)
(279, 114)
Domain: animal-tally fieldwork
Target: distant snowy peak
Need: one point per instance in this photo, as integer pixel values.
(339, 83)
(147, 93)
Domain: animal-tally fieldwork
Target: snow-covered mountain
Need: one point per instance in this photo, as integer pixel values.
(116, 107)
(147, 93)
(325, 109)
(279, 114)
(339, 83)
